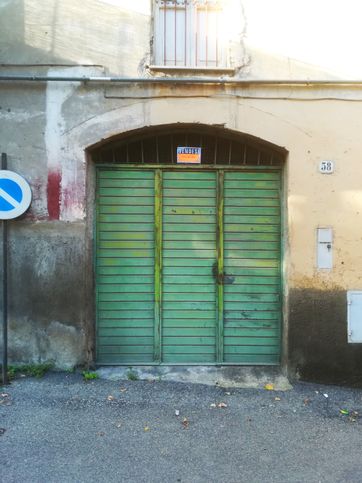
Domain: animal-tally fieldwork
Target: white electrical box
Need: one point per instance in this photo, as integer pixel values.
(354, 316)
(324, 248)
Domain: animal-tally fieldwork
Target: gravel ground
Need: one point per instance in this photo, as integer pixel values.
(61, 429)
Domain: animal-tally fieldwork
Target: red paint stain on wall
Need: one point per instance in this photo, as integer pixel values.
(53, 194)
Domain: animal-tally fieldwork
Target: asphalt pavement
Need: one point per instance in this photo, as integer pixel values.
(62, 429)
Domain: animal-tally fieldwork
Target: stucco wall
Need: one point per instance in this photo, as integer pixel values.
(46, 129)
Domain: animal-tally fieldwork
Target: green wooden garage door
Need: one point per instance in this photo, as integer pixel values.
(188, 266)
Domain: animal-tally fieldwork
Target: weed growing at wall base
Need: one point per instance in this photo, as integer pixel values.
(30, 370)
(89, 375)
(132, 376)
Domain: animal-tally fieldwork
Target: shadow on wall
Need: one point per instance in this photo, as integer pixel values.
(70, 32)
(111, 33)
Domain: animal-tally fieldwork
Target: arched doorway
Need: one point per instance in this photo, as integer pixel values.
(188, 256)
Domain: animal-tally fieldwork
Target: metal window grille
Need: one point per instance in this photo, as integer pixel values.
(188, 33)
(159, 148)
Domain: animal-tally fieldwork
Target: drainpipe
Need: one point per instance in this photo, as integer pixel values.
(180, 80)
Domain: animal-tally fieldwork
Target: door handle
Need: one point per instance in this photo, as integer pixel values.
(221, 278)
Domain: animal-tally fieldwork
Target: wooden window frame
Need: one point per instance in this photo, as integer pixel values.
(191, 37)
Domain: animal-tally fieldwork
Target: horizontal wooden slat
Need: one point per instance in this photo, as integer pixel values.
(232, 334)
(118, 338)
(187, 193)
(126, 209)
(251, 297)
(251, 193)
(191, 271)
(188, 176)
(191, 340)
(191, 228)
(192, 237)
(188, 314)
(128, 253)
(136, 227)
(251, 236)
(188, 349)
(251, 228)
(118, 200)
(233, 201)
(187, 280)
(113, 173)
(114, 336)
(252, 289)
(250, 314)
(191, 184)
(189, 305)
(188, 358)
(196, 253)
(124, 358)
(122, 183)
(125, 297)
(179, 201)
(124, 262)
(127, 324)
(178, 327)
(250, 324)
(126, 236)
(249, 349)
(208, 296)
(186, 219)
(250, 184)
(188, 262)
(242, 211)
(127, 192)
(254, 175)
(255, 340)
(272, 359)
(189, 210)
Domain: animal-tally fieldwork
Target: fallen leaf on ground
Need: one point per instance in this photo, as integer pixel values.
(222, 405)
(146, 428)
(344, 411)
(353, 416)
(185, 423)
(269, 387)
(306, 401)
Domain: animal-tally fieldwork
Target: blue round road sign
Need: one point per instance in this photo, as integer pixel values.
(15, 195)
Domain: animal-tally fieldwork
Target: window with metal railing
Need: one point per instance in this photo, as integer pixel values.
(188, 33)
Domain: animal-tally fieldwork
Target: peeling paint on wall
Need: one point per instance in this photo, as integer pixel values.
(56, 96)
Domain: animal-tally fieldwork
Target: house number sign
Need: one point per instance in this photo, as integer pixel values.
(326, 167)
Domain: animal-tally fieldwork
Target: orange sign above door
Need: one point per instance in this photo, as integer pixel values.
(188, 155)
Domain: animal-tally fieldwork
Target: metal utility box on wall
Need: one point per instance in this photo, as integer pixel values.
(324, 248)
(354, 316)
